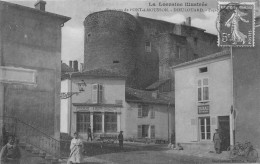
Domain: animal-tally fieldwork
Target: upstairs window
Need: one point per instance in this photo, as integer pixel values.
(143, 111)
(115, 61)
(203, 90)
(196, 56)
(148, 47)
(178, 52)
(97, 93)
(203, 69)
(195, 41)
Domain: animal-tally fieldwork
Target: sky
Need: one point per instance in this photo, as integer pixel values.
(78, 10)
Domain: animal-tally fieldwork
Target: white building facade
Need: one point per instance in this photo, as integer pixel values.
(104, 106)
(203, 100)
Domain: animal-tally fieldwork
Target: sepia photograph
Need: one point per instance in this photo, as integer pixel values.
(129, 81)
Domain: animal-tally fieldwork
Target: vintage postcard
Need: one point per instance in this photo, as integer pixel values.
(129, 81)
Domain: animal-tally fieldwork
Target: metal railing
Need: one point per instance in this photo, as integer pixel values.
(32, 135)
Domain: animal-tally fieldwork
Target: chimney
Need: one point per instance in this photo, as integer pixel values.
(40, 5)
(75, 66)
(70, 64)
(188, 21)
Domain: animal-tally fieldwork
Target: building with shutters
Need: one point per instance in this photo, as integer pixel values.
(203, 100)
(219, 93)
(108, 107)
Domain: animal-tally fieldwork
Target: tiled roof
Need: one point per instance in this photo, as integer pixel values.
(157, 84)
(209, 57)
(141, 96)
(98, 105)
(65, 68)
(100, 72)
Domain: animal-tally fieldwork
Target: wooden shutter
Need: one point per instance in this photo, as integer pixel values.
(139, 131)
(94, 93)
(139, 111)
(152, 131)
(100, 93)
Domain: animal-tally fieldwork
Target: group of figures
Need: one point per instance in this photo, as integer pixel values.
(77, 147)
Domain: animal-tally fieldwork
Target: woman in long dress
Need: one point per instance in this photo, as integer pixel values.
(233, 21)
(76, 149)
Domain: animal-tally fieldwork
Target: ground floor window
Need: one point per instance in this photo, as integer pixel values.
(83, 121)
(97, 122)
(204, 123)
(145, 131)
(110, 122)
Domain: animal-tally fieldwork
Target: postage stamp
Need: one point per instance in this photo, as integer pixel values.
(236, 24)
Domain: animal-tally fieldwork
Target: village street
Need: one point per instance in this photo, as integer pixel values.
(142, 154)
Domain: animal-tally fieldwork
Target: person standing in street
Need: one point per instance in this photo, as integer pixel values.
(121, 139)
(76, 149)
(217, 141)
(89, 133)
(10, 153)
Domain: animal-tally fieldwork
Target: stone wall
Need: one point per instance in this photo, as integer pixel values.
(32, 39)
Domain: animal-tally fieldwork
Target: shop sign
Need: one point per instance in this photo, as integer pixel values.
(203, 109)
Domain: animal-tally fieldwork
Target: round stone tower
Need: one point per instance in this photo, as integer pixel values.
(111, 41)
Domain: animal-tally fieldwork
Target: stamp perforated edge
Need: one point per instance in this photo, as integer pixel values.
(253, 23)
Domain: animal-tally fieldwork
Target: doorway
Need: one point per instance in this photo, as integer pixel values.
(224, 128)
(145, 131)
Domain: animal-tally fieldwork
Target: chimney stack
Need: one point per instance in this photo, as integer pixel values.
(70, 64)
(40, 5)
(75, 66)
(188, 21)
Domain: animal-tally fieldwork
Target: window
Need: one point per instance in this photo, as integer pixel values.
(152, 115)
(152, 131)
(110, 122)
(115, 61)
(178, 52)
(83, 122)
(97, 93)
(166, 87)
(100, 93)
(148, 47)
(203, 90)
(97, 122)
(195, 41)
(196, 56)
(143, 111)
(203, 69)
(142, 131)
(88, 36)
(204, 128)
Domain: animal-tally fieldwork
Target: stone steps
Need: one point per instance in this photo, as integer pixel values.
(35, 152)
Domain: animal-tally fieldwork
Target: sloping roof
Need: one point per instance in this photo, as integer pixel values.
(141, 96)
(209, 57)
(157, 84)
(61, 17)
(65, 68)
(100, 72)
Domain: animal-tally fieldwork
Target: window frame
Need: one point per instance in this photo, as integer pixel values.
(200, 90)
(147, 48)
(95, 114)
(83, 123)
(178, 51)
(109, 123)
(206, 132)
